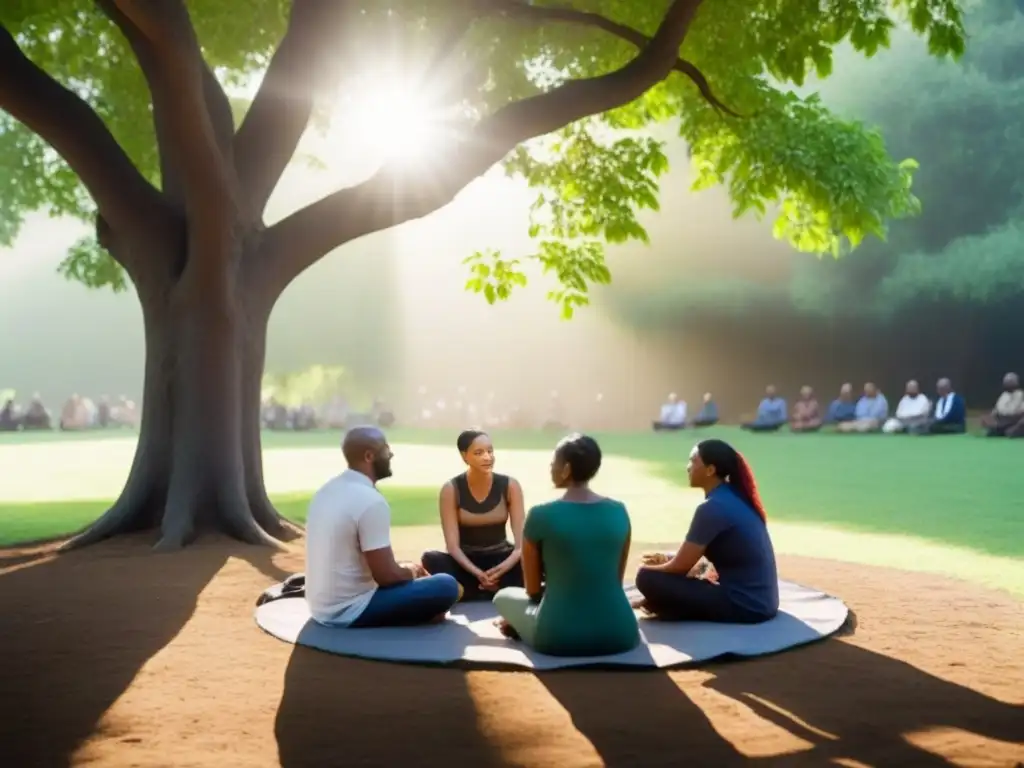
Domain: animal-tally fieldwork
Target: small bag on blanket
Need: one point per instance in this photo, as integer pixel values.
(293, 586)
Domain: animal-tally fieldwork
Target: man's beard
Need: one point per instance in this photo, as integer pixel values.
(382, 468)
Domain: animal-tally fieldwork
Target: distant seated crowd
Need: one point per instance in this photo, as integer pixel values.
(915, 413)
(335, 414)
(78, 413)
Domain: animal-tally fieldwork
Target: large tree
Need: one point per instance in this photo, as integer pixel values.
(119, 115)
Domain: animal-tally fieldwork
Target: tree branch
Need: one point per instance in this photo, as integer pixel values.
(76, 132)
(217, 105)
(219, 109)
(280, 113)
(188, 130)
(154, 19)
(383, 201)
(525, 11)
(139, 45)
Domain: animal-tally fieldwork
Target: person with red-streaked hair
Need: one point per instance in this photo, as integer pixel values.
(725, 569)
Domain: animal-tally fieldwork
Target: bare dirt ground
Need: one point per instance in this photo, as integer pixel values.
(117, 657)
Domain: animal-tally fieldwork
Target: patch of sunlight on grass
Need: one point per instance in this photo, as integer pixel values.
(53, 487)
(899, 551)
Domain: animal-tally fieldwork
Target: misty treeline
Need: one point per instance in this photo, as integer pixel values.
(943, 294)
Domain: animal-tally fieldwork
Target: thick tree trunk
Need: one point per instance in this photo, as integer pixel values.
(142, 500)
(259, 306)
(198, 465)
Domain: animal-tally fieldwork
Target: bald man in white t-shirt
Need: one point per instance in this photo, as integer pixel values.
(352, 577)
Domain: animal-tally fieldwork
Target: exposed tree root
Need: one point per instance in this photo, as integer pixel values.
(137, 507)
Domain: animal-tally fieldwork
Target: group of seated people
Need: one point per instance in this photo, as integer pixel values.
(865, 414)
(915, 413)
(78, 413)
(673, 414)
(334, 414)
(34, 417)
(557, 581)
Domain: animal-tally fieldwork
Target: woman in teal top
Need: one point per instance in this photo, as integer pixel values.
(574, 557)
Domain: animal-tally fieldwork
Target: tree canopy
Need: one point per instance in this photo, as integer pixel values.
(963, 121)
(733, 95)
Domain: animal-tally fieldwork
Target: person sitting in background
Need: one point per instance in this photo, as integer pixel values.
(870, 413)
(89, 412)
(36, 416)
(303, 418)
(806, 412)
(950, 416)
(352, 578)
(771, 413)
(103, 412)
(574, 558)
(10, 419)
(125, 413)
(74, 416)
(275, 415)
(912, 412)
(708, 415)
(383, 416)
(843, 408)
(673, 415)
(475, 508)
(729, 530)
(1009, 410)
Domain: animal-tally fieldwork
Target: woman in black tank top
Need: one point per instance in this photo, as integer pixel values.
(475, 508)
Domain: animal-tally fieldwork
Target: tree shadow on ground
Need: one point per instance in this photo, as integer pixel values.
(860, 705)
(639, 719)
(848, 702)
(337, 710)
(76, 628)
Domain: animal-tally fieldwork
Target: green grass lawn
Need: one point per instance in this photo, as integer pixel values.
(33, 521)
(959, 498)
(960, 490)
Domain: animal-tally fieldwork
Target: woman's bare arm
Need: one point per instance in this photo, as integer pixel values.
(450, 527)
(683, 561)
(533, 569)
(625, 553)
(516, 518)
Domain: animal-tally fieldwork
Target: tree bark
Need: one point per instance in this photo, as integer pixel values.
(198, 464)
(259, 306)
(142, 500)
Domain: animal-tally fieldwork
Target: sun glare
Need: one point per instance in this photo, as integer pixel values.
(395, 124)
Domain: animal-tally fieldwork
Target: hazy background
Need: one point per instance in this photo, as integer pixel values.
(712, 304)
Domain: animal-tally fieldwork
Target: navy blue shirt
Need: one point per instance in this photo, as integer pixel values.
(736, 541)
(840, 411)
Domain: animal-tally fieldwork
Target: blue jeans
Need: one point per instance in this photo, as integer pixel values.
(409, 603)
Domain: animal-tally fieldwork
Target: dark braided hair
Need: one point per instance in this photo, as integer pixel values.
(733, 470)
